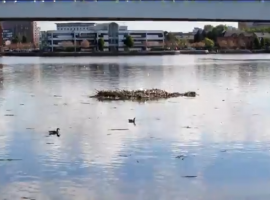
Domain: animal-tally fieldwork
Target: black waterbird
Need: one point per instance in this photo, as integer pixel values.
(132, 120)
(55, 132)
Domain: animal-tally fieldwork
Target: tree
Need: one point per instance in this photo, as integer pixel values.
(209, 44)
(24, 39)
(170, 37)
(256, 43)
(198, 45)
(44, 45)
(19, 38)
(128, 41)
(85, 44)
(165, 33)
(214, 32)
(221, 28)
(208, 28)
(101, 44)
(259, 29)
(262, 43)
(182, 43)
(267, 42)
(15, 40)
(68, 46)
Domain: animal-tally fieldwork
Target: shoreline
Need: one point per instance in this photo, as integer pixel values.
(88, 54)
(131, 53)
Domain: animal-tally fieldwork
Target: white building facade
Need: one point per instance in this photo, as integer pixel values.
(112, 34)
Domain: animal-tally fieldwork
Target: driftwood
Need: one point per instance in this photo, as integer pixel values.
(138, 95)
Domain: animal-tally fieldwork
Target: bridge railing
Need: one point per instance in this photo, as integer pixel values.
(44, 1)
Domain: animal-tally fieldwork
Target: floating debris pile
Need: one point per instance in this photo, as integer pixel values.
(139, 95)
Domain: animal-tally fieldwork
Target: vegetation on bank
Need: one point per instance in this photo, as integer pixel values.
(20, 42)
(101, 44)
(138, 95)
(18, 39)
(128, 41)
(210, 38)
(207, 38)
(258, 29)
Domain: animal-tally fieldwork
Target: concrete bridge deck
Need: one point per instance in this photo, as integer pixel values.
(159, 10)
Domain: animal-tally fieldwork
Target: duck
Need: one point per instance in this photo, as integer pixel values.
(132, 120)
(55, 132)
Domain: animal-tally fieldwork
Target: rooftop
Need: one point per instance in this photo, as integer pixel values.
(262, 35)
(75, 24)
(230, 33)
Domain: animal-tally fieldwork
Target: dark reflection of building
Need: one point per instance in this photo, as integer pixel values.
(105, 75)
(108, 74)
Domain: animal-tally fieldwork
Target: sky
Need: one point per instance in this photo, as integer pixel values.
(149, 25)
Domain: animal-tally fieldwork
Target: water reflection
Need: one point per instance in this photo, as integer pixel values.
(227, 140)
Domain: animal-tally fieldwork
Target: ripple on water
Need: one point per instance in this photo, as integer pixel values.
(201, 148)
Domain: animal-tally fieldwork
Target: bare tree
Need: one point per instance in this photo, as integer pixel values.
(223, 44)
(85, 44)
(198, 45)
(67, 44)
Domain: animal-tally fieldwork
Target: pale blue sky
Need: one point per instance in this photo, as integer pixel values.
(150, 25)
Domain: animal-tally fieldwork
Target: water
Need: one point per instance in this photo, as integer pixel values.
(227, 147)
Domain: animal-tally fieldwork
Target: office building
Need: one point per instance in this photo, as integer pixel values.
(112, 34)
(28, 29)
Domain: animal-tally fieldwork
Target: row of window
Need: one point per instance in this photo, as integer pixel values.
(134, 35)
(95, 42)
(73, 29)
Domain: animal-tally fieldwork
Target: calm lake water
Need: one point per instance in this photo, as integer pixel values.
(226, 149)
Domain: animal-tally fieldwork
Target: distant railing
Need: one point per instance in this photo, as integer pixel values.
(44, 1)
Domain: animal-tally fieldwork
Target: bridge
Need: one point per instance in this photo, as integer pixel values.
(130, 10)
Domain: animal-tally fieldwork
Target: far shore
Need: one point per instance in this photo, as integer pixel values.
(129, 53)
(96, 54)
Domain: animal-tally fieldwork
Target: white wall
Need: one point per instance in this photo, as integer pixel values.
(138, 44)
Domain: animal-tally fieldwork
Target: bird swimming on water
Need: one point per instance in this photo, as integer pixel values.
(55, 132)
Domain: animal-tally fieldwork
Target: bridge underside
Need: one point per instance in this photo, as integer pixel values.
(137, 10)
(127, 19)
